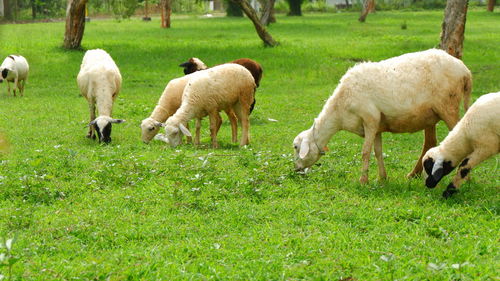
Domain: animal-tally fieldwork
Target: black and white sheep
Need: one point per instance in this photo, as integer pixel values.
(100, 81)
(475, 138)
(15, 69)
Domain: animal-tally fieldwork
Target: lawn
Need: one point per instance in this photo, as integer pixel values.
(130, 211)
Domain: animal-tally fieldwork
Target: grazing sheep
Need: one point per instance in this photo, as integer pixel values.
(195, 64)
(475, 138)
(14, 69)
(403, 94)
(224, 87)
(168, 104)
(100, 81)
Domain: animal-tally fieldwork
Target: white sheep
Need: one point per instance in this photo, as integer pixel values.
(403, 94)
(475, 138)
(168, 104)
(224, 87)
(14, 69)
(100, 81)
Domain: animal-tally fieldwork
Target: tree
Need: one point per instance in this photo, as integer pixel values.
(166, 11)
(261, 30)
(368, 7)
(7, 10)
(233, 9)
(453, 27)
(491, 5)
(295, 7)
(75, 24)
(268, 12)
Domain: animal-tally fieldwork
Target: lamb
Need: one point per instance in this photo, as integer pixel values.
(168, 104)
(475, 138)
(100, 81)
(195, 64)
(224, 87)
(408, 93)
(15, 69)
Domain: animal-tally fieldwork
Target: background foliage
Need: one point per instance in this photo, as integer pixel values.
(130, 211)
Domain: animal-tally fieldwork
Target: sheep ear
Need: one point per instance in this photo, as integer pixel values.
(304, 148)
(185, 131)
(158, 124)
(185, 64)
(117, 121)
(428, 165)
(92, 123)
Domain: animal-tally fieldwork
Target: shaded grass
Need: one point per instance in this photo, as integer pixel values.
(148, 212)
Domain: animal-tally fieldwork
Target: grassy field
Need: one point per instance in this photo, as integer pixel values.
(130, 211)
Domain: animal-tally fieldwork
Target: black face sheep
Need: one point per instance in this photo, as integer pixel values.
(475, 138)
(404, 94)
(14, 69)
(100, 81)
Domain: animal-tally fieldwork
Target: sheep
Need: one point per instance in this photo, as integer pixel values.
(475, 138)
(404, 94)
(15, 69)
(224, 87)
(168, 104)
(195, 64)
(100, 81)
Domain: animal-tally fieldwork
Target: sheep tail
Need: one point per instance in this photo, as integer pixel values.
(467, 92)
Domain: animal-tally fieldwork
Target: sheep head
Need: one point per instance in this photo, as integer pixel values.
(306, 149)
(4, 73)
(436, 166)
(173, 134)
(150, 128)
(193, 65)
(102, 125)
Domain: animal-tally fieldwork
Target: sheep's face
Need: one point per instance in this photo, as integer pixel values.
(3, 74)
(150, 128)
(307, 151)
(102, 126)
(193, 65)
(436, 166)
(174, 134)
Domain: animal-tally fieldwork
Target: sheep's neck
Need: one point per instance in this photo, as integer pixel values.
(326, 124)
(104, 104)
(160, 113)
(182, 116)
(455, 146)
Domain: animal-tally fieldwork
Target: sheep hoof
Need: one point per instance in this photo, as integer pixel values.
(450, 190)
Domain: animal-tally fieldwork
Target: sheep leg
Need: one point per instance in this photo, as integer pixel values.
(15, 86)
(378, 154)
(370, 134)
(234, 124)
(8, 88)
(214, 121)
(91, 133)
(472, 160)
(243, 113)
(198, 129)
(188, 139)
(430, 141)
(21, 87)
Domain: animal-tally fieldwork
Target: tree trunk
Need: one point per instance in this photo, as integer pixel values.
(166, 11)
(268, 13)
(491, 5)
(295, 7)
(75, 24)
(261, 30)
(453, 27)
(33, 9)
(7, 11)
(233, 9)
(368, 7)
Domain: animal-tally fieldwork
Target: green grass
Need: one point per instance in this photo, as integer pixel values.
(130, 211)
